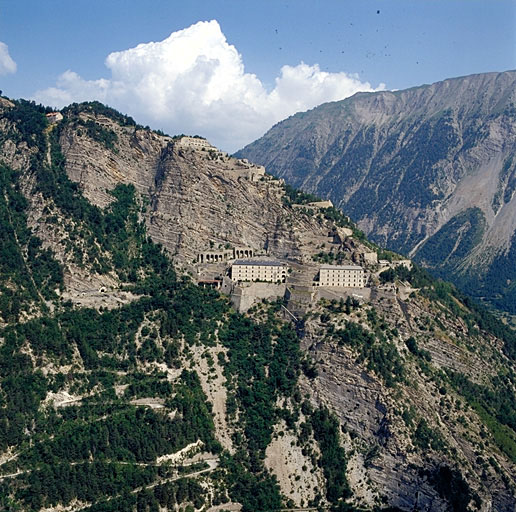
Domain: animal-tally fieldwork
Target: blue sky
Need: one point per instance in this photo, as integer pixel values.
(251, 75)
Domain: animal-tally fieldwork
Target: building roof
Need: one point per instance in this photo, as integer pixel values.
(261, 263)
(341, 267)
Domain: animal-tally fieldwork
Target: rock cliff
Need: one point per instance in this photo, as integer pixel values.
(199, 198)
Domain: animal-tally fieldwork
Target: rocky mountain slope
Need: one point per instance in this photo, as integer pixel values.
(125, 386)
(427, 171)
(198, 199)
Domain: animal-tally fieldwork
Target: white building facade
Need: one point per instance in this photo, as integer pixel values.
(54, 117)
(346, 276)
(257, 270)
(194, 142)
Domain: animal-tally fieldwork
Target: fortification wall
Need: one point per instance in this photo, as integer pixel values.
(245, 295)
(336, 292)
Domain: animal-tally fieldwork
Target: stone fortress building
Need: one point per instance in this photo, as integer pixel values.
(240, 167)
(346, 276)
(195, 143)
(393, 264)
(248, 278)
(248, 275)
(316, 205)
(258, 270)
(252, 172)
(54, 117)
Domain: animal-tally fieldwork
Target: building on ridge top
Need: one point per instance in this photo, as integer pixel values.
(194, 142)
(395, 263)
(314, 205)
(54, 117)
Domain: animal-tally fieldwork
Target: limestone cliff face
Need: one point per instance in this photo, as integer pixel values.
(197, 198)
(427, 171)
(387, 463)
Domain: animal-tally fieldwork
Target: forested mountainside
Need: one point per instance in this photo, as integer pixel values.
(428, 171)
(125, 386)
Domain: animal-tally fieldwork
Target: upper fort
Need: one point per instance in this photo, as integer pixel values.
(239, 167)
(194, 143)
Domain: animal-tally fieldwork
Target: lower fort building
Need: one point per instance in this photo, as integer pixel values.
(258, 270)
(346, 276)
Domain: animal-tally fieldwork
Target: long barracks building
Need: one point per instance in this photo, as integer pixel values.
(346, 276)
(258, 270)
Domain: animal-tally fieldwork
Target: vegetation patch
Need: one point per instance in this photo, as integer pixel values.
(333, 457)
(98, 133)
(495, 405)
(451, 486)
(374, 349)
(454, 241)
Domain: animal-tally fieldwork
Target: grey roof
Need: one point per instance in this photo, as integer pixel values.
(262, 263)
(341, 267)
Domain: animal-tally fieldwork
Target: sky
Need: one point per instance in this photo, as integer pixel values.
(230, 69)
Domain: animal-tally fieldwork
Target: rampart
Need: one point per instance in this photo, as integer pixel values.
(194, 143)
(244, 295)
(315, 205)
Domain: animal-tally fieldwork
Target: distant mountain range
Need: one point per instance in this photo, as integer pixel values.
(428, 171)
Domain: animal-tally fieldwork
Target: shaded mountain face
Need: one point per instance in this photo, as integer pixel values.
(428, 171)
(125, 386)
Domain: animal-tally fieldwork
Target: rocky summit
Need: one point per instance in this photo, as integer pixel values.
(180, 330)
(427, 171)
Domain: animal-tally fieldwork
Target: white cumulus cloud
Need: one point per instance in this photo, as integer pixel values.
(194, 82)
(7, 64)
